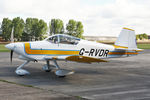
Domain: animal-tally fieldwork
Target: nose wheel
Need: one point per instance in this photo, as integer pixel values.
(21, 72)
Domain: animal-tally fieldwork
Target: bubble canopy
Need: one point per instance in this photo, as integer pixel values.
(62, 38)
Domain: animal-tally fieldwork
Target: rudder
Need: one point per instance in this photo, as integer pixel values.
(127, 39)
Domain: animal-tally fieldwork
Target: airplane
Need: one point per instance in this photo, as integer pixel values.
(68, 48)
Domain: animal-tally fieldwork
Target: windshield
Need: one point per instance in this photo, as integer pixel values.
(53, 39)
(65, 39)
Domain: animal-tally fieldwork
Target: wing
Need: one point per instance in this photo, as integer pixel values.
(84, 59)
(81, 59)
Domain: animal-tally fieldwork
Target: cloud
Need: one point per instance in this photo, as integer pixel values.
(99, 17)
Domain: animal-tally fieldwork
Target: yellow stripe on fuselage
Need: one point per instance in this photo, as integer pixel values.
(28, 50)
(122, 53)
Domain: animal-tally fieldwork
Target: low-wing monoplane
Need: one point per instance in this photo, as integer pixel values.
(67, 48)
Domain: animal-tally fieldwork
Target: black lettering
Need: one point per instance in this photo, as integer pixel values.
(91, 52)
(86, 51)
(81, 51)
(97, 51)
(101, 52)
(106, 53)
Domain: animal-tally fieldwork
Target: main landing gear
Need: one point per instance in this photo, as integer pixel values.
(59, 72)
(47, 67)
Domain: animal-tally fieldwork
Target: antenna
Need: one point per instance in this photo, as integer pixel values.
(12, 35)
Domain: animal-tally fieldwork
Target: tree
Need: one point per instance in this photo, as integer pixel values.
(6, 28)
(56, 26)
(18, 24)
(41, 30)
(145, 36)
(79, 30)
(137, 37)
(0, 30)
(71, 27)
(35, 29)
(75, 28)
(141, 36)
(26, 36)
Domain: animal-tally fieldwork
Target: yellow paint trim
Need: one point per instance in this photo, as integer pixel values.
(122, 53)
(84, 59)
(28, 50)
(128, 29)
(54, 57)
(116, 46)
(139, 50)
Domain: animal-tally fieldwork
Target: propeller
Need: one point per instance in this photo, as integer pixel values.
(12, 40)
(11, 55)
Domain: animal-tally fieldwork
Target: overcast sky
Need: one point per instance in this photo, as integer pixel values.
(99, 17)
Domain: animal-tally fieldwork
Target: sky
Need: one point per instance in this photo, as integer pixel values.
(99, 17)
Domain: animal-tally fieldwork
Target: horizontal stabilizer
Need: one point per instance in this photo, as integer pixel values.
(126, 48)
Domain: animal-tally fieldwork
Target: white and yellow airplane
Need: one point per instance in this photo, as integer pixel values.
(68, 48)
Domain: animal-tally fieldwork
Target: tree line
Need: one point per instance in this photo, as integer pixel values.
(141, 36)
(37, 29)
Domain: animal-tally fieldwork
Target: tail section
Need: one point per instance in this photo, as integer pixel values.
(127, 39)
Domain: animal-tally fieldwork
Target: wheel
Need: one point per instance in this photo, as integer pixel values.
(22, 72)
(47, 70)
(63, 72)
(61, 76)
(21, 75)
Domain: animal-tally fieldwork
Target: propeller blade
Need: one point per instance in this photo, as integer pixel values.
(11, 55)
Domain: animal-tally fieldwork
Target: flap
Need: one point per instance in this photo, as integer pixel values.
(84, 59)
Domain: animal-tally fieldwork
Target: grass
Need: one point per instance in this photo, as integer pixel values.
(143, 46)
(3, 49)
(1, 80)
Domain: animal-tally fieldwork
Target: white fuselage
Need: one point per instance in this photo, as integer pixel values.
(84, 48)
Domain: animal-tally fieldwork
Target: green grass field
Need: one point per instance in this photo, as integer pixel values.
(140, 46)
(143, 46)
(3, 49)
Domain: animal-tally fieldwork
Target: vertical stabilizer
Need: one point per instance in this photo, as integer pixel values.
(127, 38)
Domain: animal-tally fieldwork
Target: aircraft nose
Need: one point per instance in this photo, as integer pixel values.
(10, 46)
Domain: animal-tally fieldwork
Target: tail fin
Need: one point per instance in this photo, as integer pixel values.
(127, 39)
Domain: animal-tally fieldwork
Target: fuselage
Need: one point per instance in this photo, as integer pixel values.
(39, 50)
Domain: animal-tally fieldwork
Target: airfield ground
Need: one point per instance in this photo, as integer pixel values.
(119, 79)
